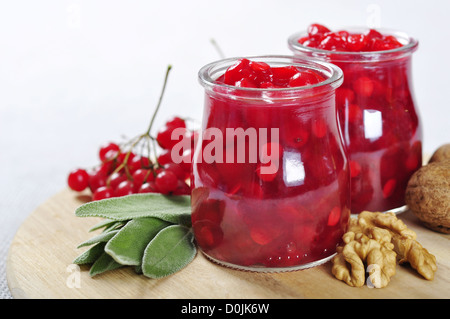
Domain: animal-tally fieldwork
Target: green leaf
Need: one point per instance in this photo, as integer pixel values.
(128, 245)
(104, 223)
(169, 251)
(114, 226)
(101, 238)
(104, 263)
(90, 255)
(173, 209)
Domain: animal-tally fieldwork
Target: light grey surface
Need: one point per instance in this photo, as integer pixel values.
(77, 73)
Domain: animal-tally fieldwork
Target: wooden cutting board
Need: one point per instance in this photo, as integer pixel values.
(40, 256)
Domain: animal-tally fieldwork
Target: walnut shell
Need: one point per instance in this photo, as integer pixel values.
(428, 195)
(441, 154)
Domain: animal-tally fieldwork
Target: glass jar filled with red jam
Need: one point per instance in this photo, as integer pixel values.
(270, 179)
(376, 106)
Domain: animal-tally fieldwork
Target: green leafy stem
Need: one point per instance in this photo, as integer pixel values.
(150, 232)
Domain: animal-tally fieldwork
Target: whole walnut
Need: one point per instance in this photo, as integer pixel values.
(441, 154)
(428, 195)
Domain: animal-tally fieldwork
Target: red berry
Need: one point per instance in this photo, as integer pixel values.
(164, 135)
(140, 177)
(125, 156)
(389, 188)
(166, 181)
(356, 42)
(108, 151)
(176, 122)
(138, 162)
(107, 167)
(317, 31)
(164, 138)
(236, 72)
(246, 83)
(305, 78)
(165, 157)
(124, 188)
(182, 188)
(363, 86)
(97, 179)
(282, 75)
(116, 178)
(177, 169)
(102, 193)
(78, 180)
(149, 187)
(334, 216)
(319, 127)
(355, 169)
(267, 177)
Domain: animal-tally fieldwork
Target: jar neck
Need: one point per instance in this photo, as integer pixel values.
(211, 72)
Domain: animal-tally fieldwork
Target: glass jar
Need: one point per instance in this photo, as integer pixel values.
(270, 179)
(378, 118)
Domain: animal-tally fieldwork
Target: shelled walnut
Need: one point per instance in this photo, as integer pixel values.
(428, 192)
(376, 240)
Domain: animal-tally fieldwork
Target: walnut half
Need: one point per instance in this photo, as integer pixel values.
(375, 240)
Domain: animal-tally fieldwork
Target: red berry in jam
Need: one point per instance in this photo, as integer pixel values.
(355, 168)
(389, 188)
(363, 86)
(334, 216)
(304, 78)
(78, 180)
(317, 31)
(356, 42)
(319, 127)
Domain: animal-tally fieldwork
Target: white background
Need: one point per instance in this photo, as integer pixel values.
(77, 73)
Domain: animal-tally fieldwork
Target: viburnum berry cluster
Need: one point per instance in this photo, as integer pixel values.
(141, 165)
(321, 37)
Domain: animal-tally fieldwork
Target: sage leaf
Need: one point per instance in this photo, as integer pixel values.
(104, 223)
(173, 209)
(114, 226)
(91, 255)
(169, 251)
(101, 238)
(128, 245)
(104, 263)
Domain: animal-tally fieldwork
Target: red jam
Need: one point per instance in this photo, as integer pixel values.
(376, 108)
(321, 37)
(294, 215)
(253, 74)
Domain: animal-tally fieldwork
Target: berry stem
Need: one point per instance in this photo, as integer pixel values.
(146, 135)
(169, 67)
(218, 49)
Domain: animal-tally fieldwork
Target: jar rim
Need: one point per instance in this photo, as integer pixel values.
(410, 44)
(334, 79)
